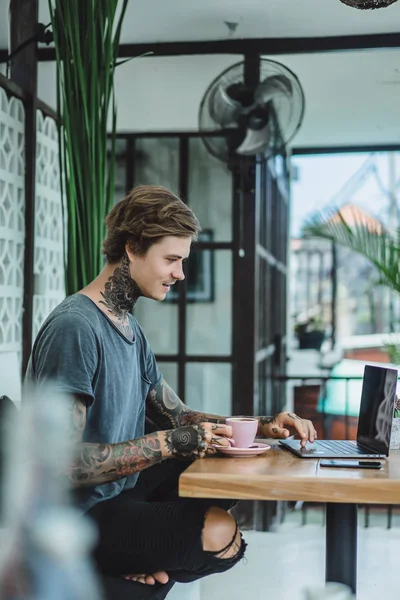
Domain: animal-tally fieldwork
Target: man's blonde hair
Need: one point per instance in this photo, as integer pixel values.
(146, 215)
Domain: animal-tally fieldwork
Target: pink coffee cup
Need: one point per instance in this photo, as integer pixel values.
(244, 430)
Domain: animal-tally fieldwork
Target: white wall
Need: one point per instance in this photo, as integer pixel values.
(46, 84)
(351, 97)
(154, 94)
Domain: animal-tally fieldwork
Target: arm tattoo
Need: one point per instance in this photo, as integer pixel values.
(77, 421)
(186, 442)
(293, 416)
(100, 463)
(266, 420)
(191, 417)
(163, 406)
(95, 464)
(166, 409)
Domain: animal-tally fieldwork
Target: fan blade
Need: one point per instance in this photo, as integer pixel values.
(268, 89)
(256, 140)
(223, 109)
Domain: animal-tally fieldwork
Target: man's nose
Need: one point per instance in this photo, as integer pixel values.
(178, 274)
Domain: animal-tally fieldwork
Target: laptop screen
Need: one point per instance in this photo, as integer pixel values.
(376, 408)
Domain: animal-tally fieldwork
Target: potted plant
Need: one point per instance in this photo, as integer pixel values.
(310, 334)
(380, 247)
(86, 39)
(371, 240)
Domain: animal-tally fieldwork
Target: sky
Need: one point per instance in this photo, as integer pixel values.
(332, 180)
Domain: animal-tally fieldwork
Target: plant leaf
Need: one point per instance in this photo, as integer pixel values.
(362, 235)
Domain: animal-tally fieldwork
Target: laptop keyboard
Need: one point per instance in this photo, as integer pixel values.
(341, 447)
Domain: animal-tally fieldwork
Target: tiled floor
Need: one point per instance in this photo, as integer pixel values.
(281, 565)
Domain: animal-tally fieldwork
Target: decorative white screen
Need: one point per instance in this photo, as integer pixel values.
(49, 254)
(12, 221)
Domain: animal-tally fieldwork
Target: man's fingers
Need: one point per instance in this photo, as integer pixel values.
(220, 441)
(218, 429)
(309, 430)
(305, 430)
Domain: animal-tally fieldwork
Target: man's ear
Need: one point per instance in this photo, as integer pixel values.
(129, 253)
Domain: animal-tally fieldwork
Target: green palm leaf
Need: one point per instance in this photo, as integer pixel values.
(86, 38)
(352, 229)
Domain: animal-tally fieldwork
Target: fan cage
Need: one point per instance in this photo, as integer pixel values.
(222, 142)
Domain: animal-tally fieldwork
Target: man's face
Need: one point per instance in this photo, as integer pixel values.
(161, 267)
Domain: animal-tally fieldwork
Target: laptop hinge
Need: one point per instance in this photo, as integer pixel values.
(371, 450)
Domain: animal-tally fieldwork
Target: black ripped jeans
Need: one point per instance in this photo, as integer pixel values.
(149, 529)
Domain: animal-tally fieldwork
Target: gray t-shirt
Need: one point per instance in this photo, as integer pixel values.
(81, 351)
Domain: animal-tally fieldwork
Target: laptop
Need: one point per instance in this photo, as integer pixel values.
(374, 422)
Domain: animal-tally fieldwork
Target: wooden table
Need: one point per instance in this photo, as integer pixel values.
(280, 475)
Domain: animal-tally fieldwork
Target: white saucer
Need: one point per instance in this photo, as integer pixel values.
(256, 448)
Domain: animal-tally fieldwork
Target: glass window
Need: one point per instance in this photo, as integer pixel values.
(209, 309)
(210, 191)
(157, 162)
(159, 321)
(364, 185)
(208, 387)
(120, 168)
(170, 373)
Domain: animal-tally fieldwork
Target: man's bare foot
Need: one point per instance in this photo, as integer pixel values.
(160, 576)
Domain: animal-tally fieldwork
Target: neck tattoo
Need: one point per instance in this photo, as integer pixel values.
(120, 295)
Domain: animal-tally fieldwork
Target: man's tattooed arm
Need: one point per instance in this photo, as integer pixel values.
(166, 409)
(94, 464)
(101, 463)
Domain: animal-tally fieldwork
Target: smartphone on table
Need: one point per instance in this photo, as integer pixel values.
(351, 464)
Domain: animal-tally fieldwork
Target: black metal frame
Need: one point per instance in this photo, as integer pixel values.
(254, 46)
(296, 151)
(206, 258)
(181, 358)
(341, 544)
(24, 16)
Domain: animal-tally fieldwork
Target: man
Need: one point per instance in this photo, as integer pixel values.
(92, 347)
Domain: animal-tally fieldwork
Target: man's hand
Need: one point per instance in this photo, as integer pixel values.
(287, 423)
(195, 441)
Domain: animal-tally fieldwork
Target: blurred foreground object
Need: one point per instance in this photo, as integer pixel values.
(45, 542)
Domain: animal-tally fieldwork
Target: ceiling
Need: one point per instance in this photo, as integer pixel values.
(174, 20)
(352, 97)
